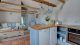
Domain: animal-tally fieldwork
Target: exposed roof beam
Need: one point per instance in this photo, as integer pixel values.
(45, 2)
(63, 1)
(11, 10)
(18, 5)
(16, 10)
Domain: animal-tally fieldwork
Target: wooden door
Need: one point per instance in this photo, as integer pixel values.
(15, 42)
(21, 41)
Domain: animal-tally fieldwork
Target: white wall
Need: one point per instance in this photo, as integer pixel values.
(9, 17)
(31, 19)
(70, 13)
(46, 11)
(3, 5)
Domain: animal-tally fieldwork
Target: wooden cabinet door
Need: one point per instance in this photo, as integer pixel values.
(27, 40)
(21, 41)
(6, 43)
(1, 43)
(15, 42)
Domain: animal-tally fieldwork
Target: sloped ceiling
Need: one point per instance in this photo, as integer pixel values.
(31, 3)
(12, 1)
(36, 3)
(46, 3)
(52, 1)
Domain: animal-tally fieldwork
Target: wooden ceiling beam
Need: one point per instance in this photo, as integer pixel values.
(63, 1)
(10, 10)
(45, 2)
(16, 10)
(18, 5)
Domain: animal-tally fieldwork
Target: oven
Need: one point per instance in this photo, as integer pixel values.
(74, 36)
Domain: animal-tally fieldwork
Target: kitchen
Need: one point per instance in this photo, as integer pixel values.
(39, 22)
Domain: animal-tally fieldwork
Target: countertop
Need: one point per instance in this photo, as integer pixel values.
(71, 26)
(3, 31)
(39, 27)
(15, 37)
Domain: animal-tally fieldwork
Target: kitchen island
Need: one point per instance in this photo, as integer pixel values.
(43, 34)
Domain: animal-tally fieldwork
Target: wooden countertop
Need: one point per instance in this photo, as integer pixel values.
(16, 37)
(71, 26)
(3, 31)
(39, 27)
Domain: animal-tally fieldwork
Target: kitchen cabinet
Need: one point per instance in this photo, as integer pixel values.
(7, 43)
(27, 40)
(39, 37)
(21, 41)
(46, 36)
(16, 39)
(1, 44)
(15, 42)
(34, 36)
(53, 36)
